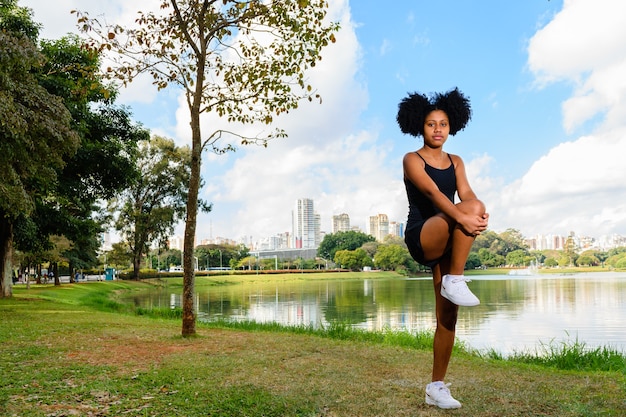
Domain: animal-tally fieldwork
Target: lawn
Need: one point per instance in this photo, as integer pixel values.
(74, 351)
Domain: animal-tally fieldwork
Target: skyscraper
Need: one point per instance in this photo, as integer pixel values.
(379, 226)
(341, 223)
(306, 224)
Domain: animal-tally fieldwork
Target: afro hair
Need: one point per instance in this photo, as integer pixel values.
(414, 108)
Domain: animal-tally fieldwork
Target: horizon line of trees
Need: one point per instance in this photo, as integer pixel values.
(356, 250)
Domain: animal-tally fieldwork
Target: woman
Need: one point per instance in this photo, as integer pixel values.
(440, 233)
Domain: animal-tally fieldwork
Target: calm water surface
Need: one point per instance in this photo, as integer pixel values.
(517, 313)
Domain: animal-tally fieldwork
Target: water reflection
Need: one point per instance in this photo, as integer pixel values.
(516, 313)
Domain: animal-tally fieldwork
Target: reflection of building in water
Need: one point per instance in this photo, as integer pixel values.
(284, 310)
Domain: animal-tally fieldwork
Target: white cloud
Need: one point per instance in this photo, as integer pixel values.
(584, 36)
(584, 45)
(578, 185)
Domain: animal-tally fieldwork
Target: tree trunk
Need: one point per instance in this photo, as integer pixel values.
(6, 253)
(54, 267)
(189, 313)
(72, 276)
(136, 264)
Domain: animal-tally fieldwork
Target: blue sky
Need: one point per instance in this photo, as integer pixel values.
(544, 149)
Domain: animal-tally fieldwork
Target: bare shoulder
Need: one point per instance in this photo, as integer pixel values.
(456, 160)
(412, 158)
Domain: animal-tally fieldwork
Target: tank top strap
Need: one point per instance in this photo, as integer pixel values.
(449, 157)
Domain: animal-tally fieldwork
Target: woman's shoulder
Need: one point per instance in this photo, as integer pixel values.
(455, 158)
(412, 157)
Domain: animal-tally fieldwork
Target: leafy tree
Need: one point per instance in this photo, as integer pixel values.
(396, 240)
(349, 240)
(353, 260)
(390, 256)
(119, 256)
(621, 263)
(369, 247)
(616, 251)
(615, 257)
(484, 240)
(569, 250)
(243, 60)
(490, 259)
(564, 261)
(473, 261)
(149, 209)
(248, 262)
(104, 164)
(172, 257)
(587, 260)
(517, 257)
(35, 130)
(538, 256)
(508, 241)
(212, 255)
(550, 262)
(550, 253)
(599, 256)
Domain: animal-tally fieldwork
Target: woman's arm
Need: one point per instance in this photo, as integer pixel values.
(463, 188)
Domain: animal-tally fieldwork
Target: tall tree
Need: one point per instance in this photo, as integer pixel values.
(102, 166)
(35, 130)
(155, 201)
(349, 240)
(244, 60)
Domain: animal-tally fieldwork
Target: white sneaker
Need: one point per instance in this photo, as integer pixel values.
(454, 288)
(438, 393)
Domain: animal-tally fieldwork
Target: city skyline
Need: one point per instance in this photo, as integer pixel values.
(379, 226)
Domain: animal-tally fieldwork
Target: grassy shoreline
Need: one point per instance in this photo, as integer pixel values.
(74, 350)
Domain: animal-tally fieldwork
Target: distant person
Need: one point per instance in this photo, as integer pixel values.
(439, 233)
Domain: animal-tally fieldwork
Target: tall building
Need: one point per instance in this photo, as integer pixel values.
(379, 226)
(396, 229)
(306, 225)
(317, 233)
(341, 223)
(176, 242)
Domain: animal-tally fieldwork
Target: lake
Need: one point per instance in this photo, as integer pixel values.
(517, 313)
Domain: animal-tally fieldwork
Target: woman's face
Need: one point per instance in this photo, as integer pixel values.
(436, 128)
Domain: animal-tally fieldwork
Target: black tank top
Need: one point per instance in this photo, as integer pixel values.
(420, 206)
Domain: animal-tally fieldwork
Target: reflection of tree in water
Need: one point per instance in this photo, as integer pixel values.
(515, 312)
(347, 302)
(219, 304)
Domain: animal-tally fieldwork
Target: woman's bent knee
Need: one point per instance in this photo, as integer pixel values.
(474, 206)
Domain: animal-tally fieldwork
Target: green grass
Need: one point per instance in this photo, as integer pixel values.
(565, 355)
(75, 350)
(574, 355)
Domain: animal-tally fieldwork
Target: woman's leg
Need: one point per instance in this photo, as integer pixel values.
(446, 313)
(438, 234)
(441, 233)
(461, 242)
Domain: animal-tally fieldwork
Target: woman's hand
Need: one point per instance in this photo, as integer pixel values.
(474, 225)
